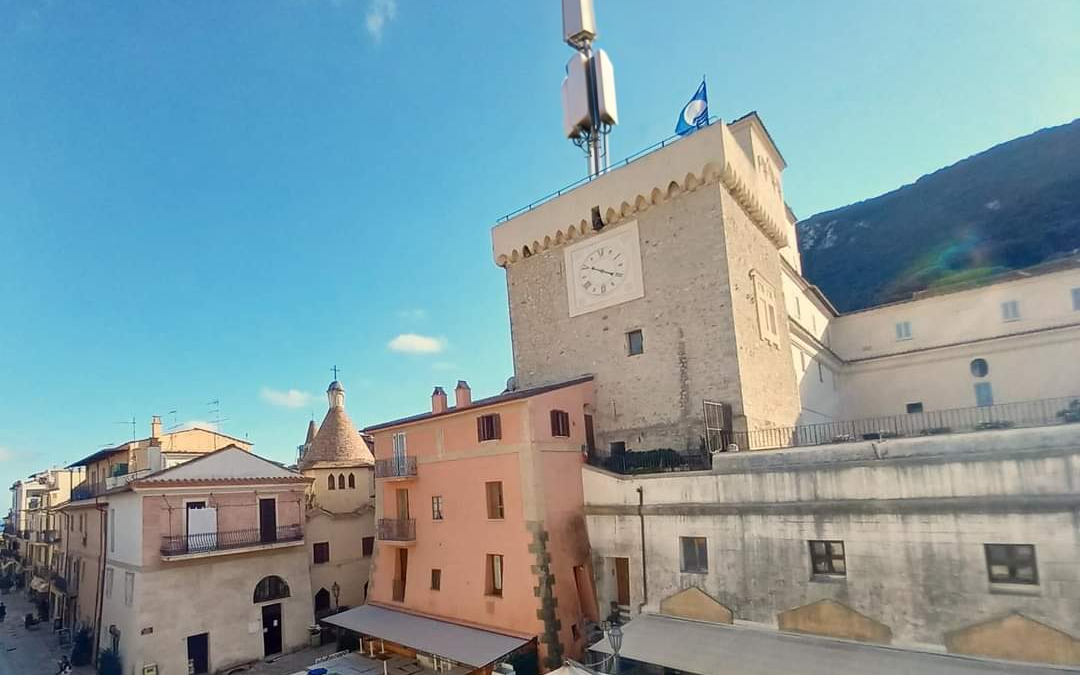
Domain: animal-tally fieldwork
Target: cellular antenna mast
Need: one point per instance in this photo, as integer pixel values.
(588, 90)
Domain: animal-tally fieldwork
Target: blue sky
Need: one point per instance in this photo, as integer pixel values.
(221, 200)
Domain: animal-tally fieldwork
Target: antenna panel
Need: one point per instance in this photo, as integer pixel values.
(575, 97)
(608, 111)
(578, 22)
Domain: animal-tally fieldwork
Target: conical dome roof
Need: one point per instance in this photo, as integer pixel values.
(337, 443)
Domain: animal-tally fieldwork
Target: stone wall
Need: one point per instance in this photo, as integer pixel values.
(913, 515)
(652, 400)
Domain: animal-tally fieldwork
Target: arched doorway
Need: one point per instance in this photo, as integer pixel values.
(322, 600)
(268, 589)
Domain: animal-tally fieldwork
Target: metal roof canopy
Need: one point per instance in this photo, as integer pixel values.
(471, 646)
(717, 649)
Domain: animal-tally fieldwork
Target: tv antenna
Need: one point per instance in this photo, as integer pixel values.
(133, 428)
(588, 90)
(174, 424)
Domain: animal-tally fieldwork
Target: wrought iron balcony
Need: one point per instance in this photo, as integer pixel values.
(396, 467)
(59, 582)
(210, 542)
(397, 529)
(49, 536)
(87, 490)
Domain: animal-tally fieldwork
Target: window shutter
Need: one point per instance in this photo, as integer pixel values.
(498, 426)
(554, 423)
(479, 428)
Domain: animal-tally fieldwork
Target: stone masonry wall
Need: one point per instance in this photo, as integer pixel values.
(770, 395)
(652, 400)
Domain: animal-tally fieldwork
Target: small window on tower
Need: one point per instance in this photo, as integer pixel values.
(635, 343)
(765, 299)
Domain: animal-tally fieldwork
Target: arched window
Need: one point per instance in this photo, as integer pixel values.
(980, 368)
(352, 482)
(271, 588)
(322, 600)
(330, 482)
(341, 481)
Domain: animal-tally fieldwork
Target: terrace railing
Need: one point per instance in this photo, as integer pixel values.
(209, 542)
(1038, 413)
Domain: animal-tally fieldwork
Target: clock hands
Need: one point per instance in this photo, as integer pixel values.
(597, 269)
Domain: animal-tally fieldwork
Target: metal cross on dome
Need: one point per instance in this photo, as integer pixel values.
(335, 369)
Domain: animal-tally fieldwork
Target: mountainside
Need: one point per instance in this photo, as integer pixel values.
(1012, 206)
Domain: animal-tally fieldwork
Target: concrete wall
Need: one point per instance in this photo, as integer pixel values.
(541, 536)
(343, 518)
(215, 595)
(124, 538)
(913, 515)
(86, 522)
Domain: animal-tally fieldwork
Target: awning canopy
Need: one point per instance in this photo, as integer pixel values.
(471, 646)
(717, 649)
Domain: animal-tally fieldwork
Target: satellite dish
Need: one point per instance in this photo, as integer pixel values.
(511, 383)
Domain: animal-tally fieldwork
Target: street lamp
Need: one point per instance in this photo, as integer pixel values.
(614, 637)
(337, 592)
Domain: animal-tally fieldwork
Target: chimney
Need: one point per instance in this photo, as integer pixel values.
(155, 426)
(438, 400)
(462, 394)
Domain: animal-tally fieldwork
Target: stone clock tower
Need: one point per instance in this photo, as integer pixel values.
(663, 279)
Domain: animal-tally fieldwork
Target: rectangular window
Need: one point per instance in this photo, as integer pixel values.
(488, 427)
(129, 588)
(436, 507)
(112, 530)
(984, 394)
(1076, 299)
(765, 299)
(695, 554)
(827, 557)
(494, 583)
(320, 552)
(108, 582)
(914, 408)
(820, 372)
(1011, 564)
(560, 423)
(436, 580)
(494, 493)
(1010, 310)
(368, 546)
(903, 330)
(574, 632)
(635, 343)
(399, 445)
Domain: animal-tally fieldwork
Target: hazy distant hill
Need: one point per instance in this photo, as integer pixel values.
(1014, 205)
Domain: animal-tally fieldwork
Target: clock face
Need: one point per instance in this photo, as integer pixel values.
(602, 270)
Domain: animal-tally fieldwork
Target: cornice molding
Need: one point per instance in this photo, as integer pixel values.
(740, 188)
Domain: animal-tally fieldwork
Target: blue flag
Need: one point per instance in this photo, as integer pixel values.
(695, 114)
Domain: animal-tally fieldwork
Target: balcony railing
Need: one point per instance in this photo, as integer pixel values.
(87, 490)
(397, 529)
(49, 536)
(395, 467)
(1039, 413)
(209, 542)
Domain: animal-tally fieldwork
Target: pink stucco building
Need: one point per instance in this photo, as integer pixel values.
(480, 524)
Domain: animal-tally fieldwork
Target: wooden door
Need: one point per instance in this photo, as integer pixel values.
(622, 581)
(267, 520)
(198, 653)
(403, 504)
(271, 622)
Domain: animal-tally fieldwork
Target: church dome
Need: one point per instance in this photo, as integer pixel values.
(337, 442)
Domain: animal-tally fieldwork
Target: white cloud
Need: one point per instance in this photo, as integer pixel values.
(293, 398)
(412, 314)
(411, 343)
(380, 13)
(5, 454)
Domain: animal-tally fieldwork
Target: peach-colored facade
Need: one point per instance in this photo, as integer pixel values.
(541, 535)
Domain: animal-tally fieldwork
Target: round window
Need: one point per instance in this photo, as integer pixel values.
(980, 368)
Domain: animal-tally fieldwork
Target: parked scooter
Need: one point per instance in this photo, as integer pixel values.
(65, 666)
